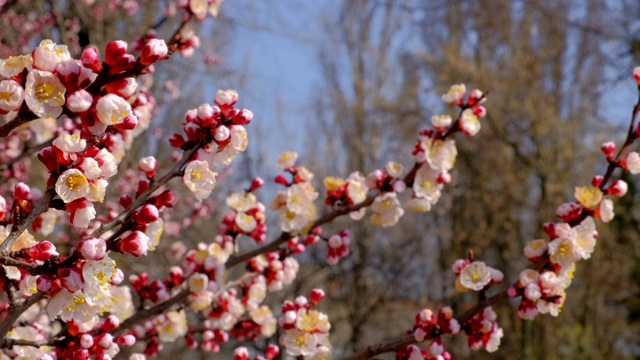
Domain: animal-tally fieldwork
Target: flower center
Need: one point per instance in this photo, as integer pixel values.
(74, 181)
(47, 92)
(300, 341)
(6, 96)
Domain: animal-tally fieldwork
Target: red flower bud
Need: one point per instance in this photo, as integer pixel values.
(21, 191)
(92, 249)
(609, 149)
(280, 179)
(42, 251)
(148, 214)
(316, 296)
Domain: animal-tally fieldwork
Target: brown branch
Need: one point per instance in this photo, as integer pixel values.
(9, 261)
(405, 340)
(158, 309)
(26, 152)
(24, 116)
(14, 313)
(8, 343)
(324, 219)
(19, 227)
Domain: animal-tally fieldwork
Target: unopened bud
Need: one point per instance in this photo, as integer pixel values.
(609, 149)
(618, 188)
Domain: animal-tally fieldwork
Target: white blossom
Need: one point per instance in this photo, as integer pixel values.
(11, 95)
(72, 185)
(44, 94)
(199, 179)
(112, 109)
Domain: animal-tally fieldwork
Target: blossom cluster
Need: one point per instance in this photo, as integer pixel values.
(430, 326)
(295, 205)
(247, 215)
(221, 128)
(101, 106)
(306, 330)
(544, 290)
(483, 331)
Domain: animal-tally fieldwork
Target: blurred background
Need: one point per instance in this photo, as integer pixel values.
(348, 84)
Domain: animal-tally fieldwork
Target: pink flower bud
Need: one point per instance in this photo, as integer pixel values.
(280, 179)
(126, 340)
(568, 211)
(86, 341)
(399, 186)
(48, 158)
(191, 342)
(636, 74)
(243, 117)
(110, 323)
(210, 346)
(632, 162)
(222, 133)
(203, 112)
(240, 353)
(104, 340)
(609, 149)
(91, 60)
(597, 180)
(148, 165)
(311, 239)
(125, 201)
(176, 275)
(208, 335)
(71, 279)
(153, 51)
(81, 354)
(115, 51)
(334, 241)
(618, 188)
(444, 177)
(496, 275)
(79, 101)
(226, 98)
(43, 250)
(316, 296)
(458, 265)
(148, 214)
(92, 249)
(256, 184)
(177, 141)
(301, 301)
(117, 277)
(128, 123)
(143, 185)
(21, 191)
(44, 283)
(272, 351)
(166, 199)
(136, 244)
(479, 111)
(474, 96)
(550, 229)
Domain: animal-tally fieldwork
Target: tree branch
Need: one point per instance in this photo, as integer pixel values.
(153, 186)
